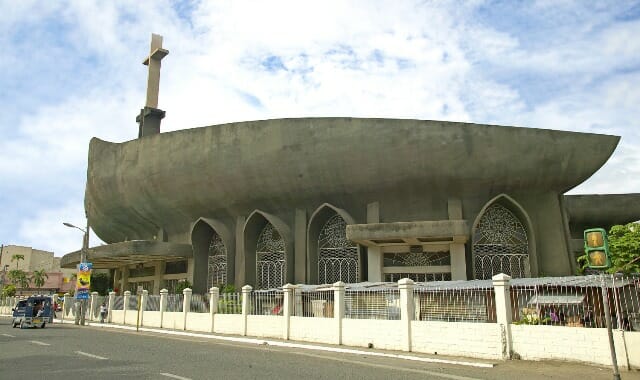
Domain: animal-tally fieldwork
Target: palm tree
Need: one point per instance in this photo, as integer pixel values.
(19, 277)
(17, 259)
(39, 277)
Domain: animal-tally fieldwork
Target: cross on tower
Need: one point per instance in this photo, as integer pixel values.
(150, 116)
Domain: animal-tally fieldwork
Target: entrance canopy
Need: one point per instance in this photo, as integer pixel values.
(408, 233)
(129, 252)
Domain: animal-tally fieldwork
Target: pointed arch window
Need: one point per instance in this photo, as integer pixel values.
(217, 272)
(338, 258)
(271, 265)
(500, 245)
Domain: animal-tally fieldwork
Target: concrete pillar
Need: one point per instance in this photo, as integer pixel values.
(93, 304)
(287, 305)
(124, 279)
(458, 262)
(405, 285)
(163, 303)
(375, 263)
(241, 276)
(157, 280)
(186, 306)
(116, 279)
(66, 304)
(338, 308)
(112, 299)
(246, 296)
(214, 296)
(300, 246)
(503, 311)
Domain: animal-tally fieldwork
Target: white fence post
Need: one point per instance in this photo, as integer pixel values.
(186, 306)
(112, 299)
(125, 307)
(338, 308)
(143, 305)
(287, 305)
(66, 305)
(298, 301)
(92, 305)
(214, 296)
(163, 304)
(246, 296)
(502, 292)
(405, 285)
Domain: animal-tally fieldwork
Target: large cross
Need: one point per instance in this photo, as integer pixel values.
(150, 116)
(156, 53)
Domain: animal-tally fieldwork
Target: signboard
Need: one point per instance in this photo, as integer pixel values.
(83, 284)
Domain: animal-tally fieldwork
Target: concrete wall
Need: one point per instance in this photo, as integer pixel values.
(476, 340)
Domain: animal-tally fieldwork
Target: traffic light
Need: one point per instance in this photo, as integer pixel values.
(596, 248)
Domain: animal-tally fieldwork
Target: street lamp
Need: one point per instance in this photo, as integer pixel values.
(83, 259)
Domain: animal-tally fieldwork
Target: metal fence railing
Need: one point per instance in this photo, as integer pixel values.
(175, 302)
(314, 303)
(577, 301)
(266, 302)
(455, 305)
(118, 303)
(230, 303)
(372, 304)
(200, 303)
(153, 303)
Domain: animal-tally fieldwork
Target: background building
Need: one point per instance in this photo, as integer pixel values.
(58, 281)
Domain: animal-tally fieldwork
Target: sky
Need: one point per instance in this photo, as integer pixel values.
(72, 70)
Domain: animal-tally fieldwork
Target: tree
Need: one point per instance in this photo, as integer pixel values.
(182, 285)
(17, 259)
(9, 291)
(19, 278)
(100, 283)
(624, 247)
(39, 277)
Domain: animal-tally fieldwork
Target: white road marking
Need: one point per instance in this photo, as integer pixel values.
(40, 343)
(91, 355)
(10, 336)
(174, 376)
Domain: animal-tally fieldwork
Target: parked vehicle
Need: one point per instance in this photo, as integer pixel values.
(34, 311)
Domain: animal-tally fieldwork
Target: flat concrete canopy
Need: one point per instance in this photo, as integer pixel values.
(603, 209)
(412, 233)
(129, 252)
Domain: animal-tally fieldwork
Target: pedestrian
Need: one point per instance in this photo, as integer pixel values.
(103, 312)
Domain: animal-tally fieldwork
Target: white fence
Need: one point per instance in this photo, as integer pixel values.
(498, 319)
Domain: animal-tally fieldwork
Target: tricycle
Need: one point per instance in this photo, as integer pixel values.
(32, 312)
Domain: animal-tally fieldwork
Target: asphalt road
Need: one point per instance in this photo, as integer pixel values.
(64, 351)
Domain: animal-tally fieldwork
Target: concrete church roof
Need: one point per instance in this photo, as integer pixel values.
(234, 168)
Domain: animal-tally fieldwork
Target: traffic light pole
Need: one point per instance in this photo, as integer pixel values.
(607, 319)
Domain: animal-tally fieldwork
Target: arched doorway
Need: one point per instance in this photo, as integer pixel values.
(217, 262)
(271, 264)
(338, 258)
(500, 244)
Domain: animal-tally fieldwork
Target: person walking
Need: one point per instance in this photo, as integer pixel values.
(103, 312)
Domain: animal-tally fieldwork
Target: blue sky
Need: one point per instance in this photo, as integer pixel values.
(72, 70)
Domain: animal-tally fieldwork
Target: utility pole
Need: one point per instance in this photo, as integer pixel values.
(82, 305)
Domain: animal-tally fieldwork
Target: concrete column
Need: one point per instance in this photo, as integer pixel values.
(300, 246)
(214, 296)
(143, 305)
(157, 281)
(405, 285)
(287, 305)
(246, 296)
(458, 262)
(503, 311)
(92, 305)
(66, 304)
(163, 303)
(375, 263)
(241, 276)
(112, 299)
(116, 279)
(338, 308)
(124, 279)
(125, 308)
(186, 306)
